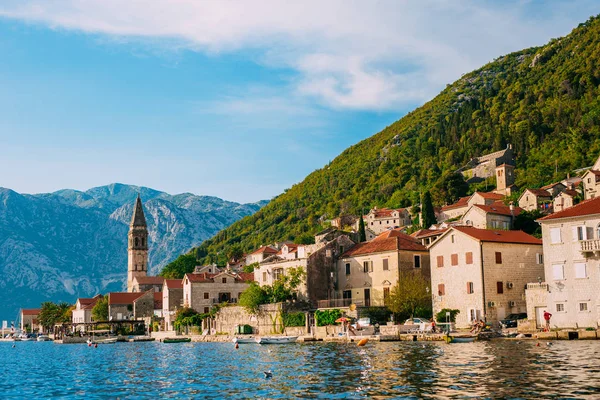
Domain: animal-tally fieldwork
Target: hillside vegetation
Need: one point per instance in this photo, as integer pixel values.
(542, 100)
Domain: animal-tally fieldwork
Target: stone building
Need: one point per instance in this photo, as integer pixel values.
(505, 180)
(121, 305)
(535, 199)
(554, 188)
(260, 254)
(83, 309)
(480, 168)
(318, 262)
(379, 220)
(172, 300)
(145, 283)
(483, 273)
(137, 248)
(572, 268)
(566, 199)
(428, 236)
(591, 181)
(366, 274)
(495, 216)
(458, 209)
(29, 320)
(204, 290)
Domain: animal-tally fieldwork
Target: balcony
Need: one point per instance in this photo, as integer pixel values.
(589, 246)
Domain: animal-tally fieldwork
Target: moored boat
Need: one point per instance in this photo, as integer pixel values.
(107, 341)
(242, 340)
(276, 339)
(177, 340)
(460, 338)
(43, 338)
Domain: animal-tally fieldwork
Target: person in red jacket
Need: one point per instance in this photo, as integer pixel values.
(547, 317)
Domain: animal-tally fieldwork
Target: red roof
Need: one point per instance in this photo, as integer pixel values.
(203, 277)
(498, 209)
(174, 283)
(462, 202)
(292, 247)
(392, 240)
(423, 233)
(490, 195)
(538, 192)
(570, 192)
(123, 298)
(30, 311)
(586, 207)
(246, 276)
(385, 212)
(488, 235)
(264, 249)
(150, 280)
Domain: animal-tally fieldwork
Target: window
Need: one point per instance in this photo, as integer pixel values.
(558, 272)
(417, 261)
(347, 294)
(264, 276)
(500, 287)
(371, 223)
(347, 268)
(539, 258)
(341, 249)
(385, 264)
(206, 295)
(454, 259)
(555, 236)
(469, 258)
(136, 242)
(368, 266)
(583, 306)
(580, 270)
(470, 287)
(386, 295)
(582, 233)
(441, 289)
(224, 280)
(440, 261)
(452, 238)
(277, 273)
(206, 310)
(560, 307)
(498, 257)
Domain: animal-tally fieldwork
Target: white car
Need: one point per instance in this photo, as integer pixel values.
(362, 323)
(416, 321)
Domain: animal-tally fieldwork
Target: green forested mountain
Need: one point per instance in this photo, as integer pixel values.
(543, 100)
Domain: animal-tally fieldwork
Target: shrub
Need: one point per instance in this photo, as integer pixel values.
(377, 315)
(294, 319)
(441, 316)
(327, 317)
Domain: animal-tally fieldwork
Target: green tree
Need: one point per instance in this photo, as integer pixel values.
(235, 253)
(253, 297)
(184, 264)
(526, 222)
(100, 310)
(185, 316)
(250, 267)
(361, 229)
(428, 212)
(410, 293)
(441, 316)
(52, 314)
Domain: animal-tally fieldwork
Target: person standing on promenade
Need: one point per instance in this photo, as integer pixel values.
(547, 317)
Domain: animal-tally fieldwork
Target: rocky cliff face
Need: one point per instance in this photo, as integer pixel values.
(68, 244)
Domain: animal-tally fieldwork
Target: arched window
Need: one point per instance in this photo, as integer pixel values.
(136, 242)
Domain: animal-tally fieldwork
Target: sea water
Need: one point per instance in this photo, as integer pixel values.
(495, 369)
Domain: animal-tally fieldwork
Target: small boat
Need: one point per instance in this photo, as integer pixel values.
(107, 341)
(250, 339)
(276, 339)
(43, 338)
(460, 339)
(25, 338)
(177, 340)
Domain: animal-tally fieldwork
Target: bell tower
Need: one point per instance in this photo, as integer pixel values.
(137, 247)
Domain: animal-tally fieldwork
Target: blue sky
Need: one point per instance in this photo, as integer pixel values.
(234, 99)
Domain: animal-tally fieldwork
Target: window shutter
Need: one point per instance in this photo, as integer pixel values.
(454, 259)
(580, 270)
(385, 264)
(469, 258)
(498, 257)
(441, 289)
(440, 261)
(558, 272)
(575, 233)
(500, 287)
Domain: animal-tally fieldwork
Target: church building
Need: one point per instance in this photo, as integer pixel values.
(137, 248)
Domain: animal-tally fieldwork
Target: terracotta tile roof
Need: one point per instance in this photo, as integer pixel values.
(150, 280)
(158, 300)
(570, 192)
(538, 192)
(203, 277)
(86, 301)
(586, 207)
(489, 235)
(30, 311)
(123, 298)
(551, 185)
(423, 233)
(394, 241)
(386, 212)
(490, 195)
(292, 248)
(246, 276)
(498, 209)
(462, 202)
(264, 249)
(174, 283)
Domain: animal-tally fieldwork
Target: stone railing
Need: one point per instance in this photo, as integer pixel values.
(590, 245)
(336, 303)
(537, 286)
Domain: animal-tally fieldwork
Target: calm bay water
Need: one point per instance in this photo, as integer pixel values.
(498, 369)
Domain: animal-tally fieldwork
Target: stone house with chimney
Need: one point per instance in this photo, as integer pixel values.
(367, 272)
(379, 220)
(572, 268)
(318, 262)
(535, 199)
(495, 216)
(483, 273)
(172, 300)
(202, 291)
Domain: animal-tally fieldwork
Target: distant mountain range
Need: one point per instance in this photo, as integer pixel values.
(67, 244)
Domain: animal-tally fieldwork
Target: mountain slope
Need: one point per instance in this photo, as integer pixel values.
(544, 101)
(57, 246)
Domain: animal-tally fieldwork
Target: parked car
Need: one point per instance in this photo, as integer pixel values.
(362, 323)
(416, 321)
(511, 320)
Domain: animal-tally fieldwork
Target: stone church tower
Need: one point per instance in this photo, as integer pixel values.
(137, 248)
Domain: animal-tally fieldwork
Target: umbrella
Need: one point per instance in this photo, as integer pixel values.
(342, 319)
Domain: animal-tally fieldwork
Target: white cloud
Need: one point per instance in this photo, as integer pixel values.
(347, 54)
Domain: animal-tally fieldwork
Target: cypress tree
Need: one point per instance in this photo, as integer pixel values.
(428, 213)
(361, 229)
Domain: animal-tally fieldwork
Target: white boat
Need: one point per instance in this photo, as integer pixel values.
(24, 338)
(250, 339)
(43, 338)
(107, 341)
(276, 339)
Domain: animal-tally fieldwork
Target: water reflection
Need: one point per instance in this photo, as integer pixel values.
(498, 369)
